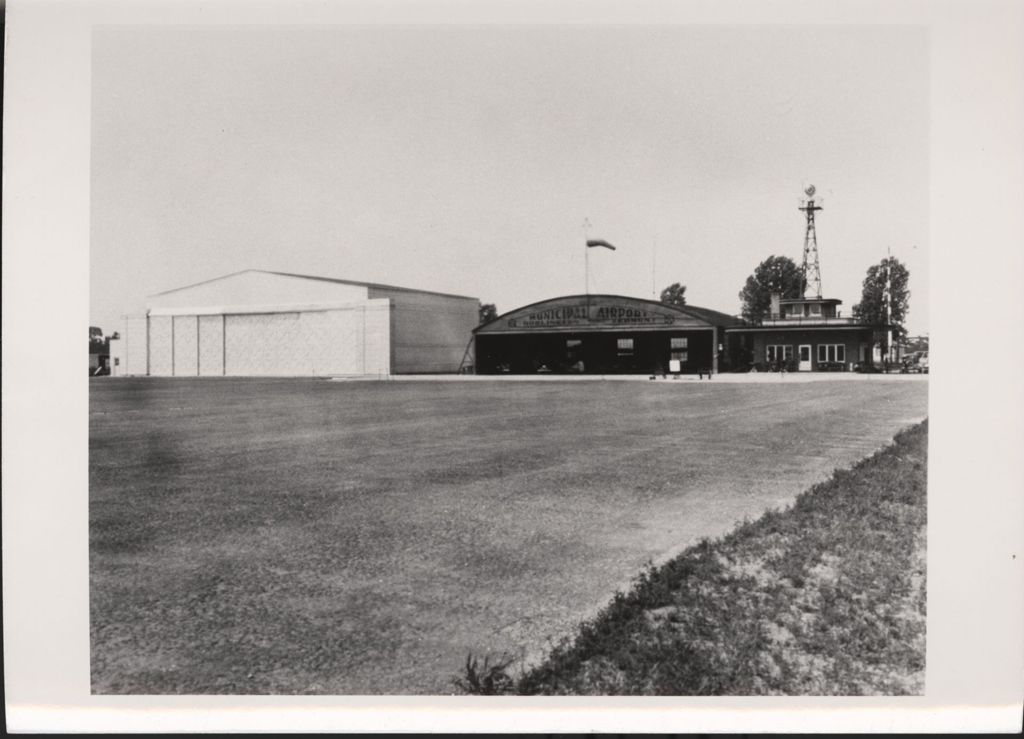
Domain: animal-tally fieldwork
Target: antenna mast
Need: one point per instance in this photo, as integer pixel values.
(811, 268)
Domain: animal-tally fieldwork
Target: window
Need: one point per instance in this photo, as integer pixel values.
(779, 352)
(678, 342)
(573, 343)
(831, 353)
(625, 347)
(681, 356)
(815, 309)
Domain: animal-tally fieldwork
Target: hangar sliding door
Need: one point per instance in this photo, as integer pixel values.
(211, 345)
(186, 345)
(161, 346)
(306, 343)
(261, 344)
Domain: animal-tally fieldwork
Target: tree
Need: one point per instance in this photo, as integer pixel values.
(872, 305)
(488, 312)
(674, 294)
(95, 339)
(773, 275)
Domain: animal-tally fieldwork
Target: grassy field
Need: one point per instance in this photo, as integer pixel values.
(293, 536)
(826, 597)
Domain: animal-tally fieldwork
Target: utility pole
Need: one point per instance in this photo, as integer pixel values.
(888, 305)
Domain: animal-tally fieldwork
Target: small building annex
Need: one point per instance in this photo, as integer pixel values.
(260, 323)
(803, 334)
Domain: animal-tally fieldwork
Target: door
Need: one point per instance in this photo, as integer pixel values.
(805, 358)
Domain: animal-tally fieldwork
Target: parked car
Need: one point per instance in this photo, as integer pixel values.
(915, 362)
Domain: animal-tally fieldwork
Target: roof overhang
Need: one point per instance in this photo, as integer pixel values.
(805, 327)
(785, 301)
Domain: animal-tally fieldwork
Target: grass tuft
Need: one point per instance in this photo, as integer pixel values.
(486, 678)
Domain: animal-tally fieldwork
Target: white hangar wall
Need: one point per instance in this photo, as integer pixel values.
(258, 323)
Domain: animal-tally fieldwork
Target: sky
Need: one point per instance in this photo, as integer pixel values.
(465, 159)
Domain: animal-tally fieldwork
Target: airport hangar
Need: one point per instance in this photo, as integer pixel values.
(602, 334)
(260, 323)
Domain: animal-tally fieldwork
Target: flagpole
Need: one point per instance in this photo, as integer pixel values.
(586, 256)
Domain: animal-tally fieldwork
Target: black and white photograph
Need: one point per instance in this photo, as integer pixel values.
(484, 361)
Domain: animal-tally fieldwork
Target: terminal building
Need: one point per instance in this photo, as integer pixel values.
(803, 335)
(602, 334)
(258, 323)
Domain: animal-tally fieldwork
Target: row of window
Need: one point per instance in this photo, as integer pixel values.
(675, 342)
(626, 347)
(826, 353)
(831, 352)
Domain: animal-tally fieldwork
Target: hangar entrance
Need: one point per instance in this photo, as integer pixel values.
(598, 334)
(594, 353)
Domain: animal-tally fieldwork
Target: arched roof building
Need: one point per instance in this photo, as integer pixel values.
(601, 334)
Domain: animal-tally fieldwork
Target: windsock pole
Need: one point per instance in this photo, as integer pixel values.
(586, 256)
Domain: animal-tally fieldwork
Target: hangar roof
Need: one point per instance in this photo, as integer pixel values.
(334, 280)
(374, 285)
(574, 313)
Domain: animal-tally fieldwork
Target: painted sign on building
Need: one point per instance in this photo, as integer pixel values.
(592, 313)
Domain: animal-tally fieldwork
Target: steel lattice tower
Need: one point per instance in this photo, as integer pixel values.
(811, 268)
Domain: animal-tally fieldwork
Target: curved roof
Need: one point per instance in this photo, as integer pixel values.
(573, 313)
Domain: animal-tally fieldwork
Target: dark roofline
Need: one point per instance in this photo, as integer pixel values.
(810, 300)
(812, 327)
(705, 314)
(375, 285)
(339, 281)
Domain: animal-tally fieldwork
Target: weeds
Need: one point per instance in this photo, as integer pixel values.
(817, 599)
(486, 678)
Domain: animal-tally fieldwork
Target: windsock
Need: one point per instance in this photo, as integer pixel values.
(599, 242)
